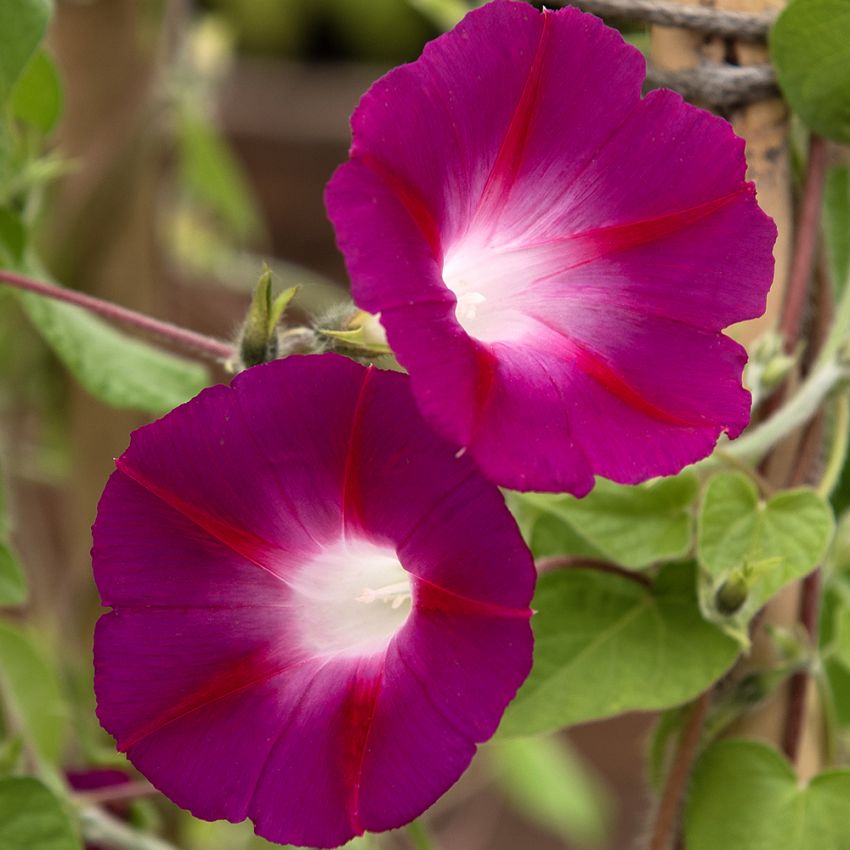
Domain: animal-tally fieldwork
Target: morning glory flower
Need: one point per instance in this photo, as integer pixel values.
(317, 609)
(553, 256)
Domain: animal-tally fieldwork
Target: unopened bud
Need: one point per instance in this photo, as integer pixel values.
(258, 342)
(732, 594)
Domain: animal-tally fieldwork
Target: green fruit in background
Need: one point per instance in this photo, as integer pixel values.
(384, 30)
(270, 26)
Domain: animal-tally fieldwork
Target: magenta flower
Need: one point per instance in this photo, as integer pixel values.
(552, 256)
(318, 610)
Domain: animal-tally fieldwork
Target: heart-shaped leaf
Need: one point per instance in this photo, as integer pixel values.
(768, 544)
(606, 644)
(745, 796)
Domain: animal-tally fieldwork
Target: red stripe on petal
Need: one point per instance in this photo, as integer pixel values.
(238, 540)
(410, 199)
(350, 490)
(358, 714)
(605, 375)
(509, 158)
(431, 597)
(246, 673)
(590, 245)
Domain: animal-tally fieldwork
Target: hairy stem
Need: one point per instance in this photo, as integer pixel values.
(666, 826)
(99, 827)
(174, 334)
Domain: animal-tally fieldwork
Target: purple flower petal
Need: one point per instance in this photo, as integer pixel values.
(546, 249)
(318, 609)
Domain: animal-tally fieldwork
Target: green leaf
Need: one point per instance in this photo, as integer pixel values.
(632, 526)
(769, 543)
(810, 48)
(22, 26)
(745, 796)
(606, 644)
(212, 175)
(31, 694)
(13, 587)
(37, 97)
(31, 818)
(13, 237)
(836, 219)
(115, 368)
(546, 781)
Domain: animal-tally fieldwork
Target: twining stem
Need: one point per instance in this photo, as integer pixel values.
(101, 828)
(792, 734)
(566, 562)
(666, 826)
(805, 245)
(197, 343)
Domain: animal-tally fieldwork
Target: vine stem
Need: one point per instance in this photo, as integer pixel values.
(566, 562)
(665, 829)
(792, 734)
(198, 343)
(806, 242)
(99, 827)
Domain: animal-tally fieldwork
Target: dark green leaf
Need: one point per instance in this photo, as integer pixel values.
(606, 644)
(31, 818)
(22, 26)
(632, 526)
(12, 238)
(37, 96)
(745, 796)
(13, 587)
(836, 214)
(810, 47)
(31, 693)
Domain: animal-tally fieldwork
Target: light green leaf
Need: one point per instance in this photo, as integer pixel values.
(37, 96)
(115, 368)
(31, 693)
(632, 526)
(606, 644)
(31, 818)
(772, 542)
(745, 796)
(836, 220)
(546, 781)
(13, 587)
(810, 48)
(212, 175)
(22, 26)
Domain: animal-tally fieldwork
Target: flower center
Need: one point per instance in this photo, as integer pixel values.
(351, 598)
(489, 285)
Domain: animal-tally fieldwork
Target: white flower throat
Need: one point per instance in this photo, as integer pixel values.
(351, 598)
